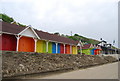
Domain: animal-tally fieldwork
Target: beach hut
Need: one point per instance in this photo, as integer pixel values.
(58, 48)
(28, 39)
(53, 47)
(49, 47)
(44, 47)
(62, 48)
(86, 49)
(39, 46)
(8, 42)
(97, 50)
(26, 44)
(92, 51)
(9, 36)
(74, 50)
(67, 49)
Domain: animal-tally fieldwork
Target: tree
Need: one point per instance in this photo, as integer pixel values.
(21, 25)
(6, 18)
(57, 33)
(76, 35)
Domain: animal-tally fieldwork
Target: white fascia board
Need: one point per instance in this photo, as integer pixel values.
(57, 42)
(8, 33)
(94, 46)
(35, 33)
(23, 31)
(32, 31)
(91, 46)
(60, 42)
(80, 43)
(40, 38)
(26, 36)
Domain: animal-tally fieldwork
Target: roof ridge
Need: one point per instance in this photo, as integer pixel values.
(53, 34)
(16, 29)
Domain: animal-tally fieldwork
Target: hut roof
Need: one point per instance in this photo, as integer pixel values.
(86, 46)
(53, 37)
(11, 28)
(16, 29)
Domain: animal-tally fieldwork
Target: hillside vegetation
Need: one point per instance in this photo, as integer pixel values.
(6, 18)
(83, 39)
(9, 19)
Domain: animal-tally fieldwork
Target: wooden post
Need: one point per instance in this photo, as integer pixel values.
(35, 45)
(56, 47)
(17, 43)
(18, 38)
(64, 48)
(76, 50)
(70, 49)
(47, 46)
(80, 49)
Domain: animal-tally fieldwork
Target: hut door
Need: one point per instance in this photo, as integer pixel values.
(26, 44)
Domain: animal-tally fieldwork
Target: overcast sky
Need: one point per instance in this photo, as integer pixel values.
(90, 18)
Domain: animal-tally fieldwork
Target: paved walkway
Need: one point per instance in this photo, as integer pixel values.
(107, 71)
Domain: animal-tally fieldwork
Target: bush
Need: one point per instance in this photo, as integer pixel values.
(6, 18)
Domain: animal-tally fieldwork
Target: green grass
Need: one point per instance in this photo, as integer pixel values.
(83, 39)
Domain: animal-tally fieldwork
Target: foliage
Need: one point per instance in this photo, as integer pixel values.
(76, 35)
(14, 22)
(71, 37)
(21, 25)
(0, 16)
(63, 35)
(83, 39)
(6, 18)
(57, 33)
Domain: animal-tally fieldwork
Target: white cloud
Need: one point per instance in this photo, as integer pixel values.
(15, 1)
(92, 18)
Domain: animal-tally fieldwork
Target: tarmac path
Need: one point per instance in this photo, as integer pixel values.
(107, 71)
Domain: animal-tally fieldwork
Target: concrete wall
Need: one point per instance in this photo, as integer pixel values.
(113, 55)
(21, 63)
